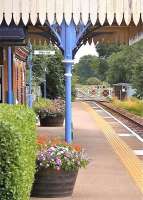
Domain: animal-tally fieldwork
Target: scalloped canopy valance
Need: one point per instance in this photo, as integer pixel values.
(77, 10)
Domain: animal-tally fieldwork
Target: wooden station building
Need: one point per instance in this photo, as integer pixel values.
(14, 37)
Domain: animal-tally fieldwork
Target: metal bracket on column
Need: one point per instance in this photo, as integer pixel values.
(69, 39)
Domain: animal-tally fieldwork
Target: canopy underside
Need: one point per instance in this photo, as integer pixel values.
(103, 34)
(57, 10)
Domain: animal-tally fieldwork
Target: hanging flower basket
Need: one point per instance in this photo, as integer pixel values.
(57, 168)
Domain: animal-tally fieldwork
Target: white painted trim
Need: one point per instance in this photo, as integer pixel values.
(68, 75)
(66, 61)
(70, 9)
(135, 134)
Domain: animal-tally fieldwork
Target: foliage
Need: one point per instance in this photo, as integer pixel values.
(17, 152)
(93, 81)
(137, 78)
(126, 66)
(116, 63)
(120, 70)
(133, 105)
(102, 69)
(50, 68)
(42, 103)
(106, 50)
(58, 155)
(86, 68)
(92, 66)
(74, 82)
(46, 107)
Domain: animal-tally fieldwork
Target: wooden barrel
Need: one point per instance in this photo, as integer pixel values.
(52, 121)
(52, 183)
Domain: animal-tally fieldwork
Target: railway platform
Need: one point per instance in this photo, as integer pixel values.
(108, 176)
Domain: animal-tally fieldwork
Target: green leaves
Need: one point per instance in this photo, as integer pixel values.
(86, 67)
(17, 152)
(54, 75)
(126, 66)
(46, 107)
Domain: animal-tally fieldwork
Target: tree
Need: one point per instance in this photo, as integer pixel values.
(102, 69)
(86, 67)
(137, 79)
(121, 64)
(93, 81)
(105, 51)
(127, 66)
(53, 67)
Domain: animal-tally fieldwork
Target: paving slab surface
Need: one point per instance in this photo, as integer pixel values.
(105, 178)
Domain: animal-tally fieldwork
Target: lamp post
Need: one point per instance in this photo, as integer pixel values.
(30, 64)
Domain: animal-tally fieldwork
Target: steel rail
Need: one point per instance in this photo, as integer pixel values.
(124, 125)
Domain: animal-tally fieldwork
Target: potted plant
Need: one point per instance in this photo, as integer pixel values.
(50, 112)
(57, 168)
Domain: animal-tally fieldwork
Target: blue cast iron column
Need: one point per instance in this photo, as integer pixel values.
(68, 36)
(10, 93)
(30, 86)
(45, 83)
(68, 104)
(30, 98)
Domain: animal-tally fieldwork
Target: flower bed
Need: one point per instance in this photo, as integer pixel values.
(60, 155)
(57, 167)
(50, 112)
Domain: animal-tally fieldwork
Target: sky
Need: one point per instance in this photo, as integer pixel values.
(85, 50)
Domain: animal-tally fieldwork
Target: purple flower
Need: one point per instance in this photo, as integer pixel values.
(58, 161)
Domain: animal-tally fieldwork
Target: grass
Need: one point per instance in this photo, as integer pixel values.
(132, 105)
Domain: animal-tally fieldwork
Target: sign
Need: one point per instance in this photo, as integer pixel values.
(106, 93)
(44, 52)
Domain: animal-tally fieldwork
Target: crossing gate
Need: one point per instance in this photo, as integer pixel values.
(99, 92)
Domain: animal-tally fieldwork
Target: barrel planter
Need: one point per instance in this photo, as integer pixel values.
(52, 121)
(50, 183)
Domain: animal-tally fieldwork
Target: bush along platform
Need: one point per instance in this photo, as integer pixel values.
(17, 152)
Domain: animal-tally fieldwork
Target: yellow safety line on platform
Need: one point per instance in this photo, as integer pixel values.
(132, 163)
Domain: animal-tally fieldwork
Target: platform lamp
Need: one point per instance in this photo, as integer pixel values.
(30, 64)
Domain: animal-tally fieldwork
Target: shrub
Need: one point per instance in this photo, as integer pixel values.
(46, 107)
(133, 105)
(93, 81)
(17, 152)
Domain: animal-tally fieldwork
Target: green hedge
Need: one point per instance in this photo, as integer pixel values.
(17, 152)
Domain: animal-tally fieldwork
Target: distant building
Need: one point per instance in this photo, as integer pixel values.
(123, 90)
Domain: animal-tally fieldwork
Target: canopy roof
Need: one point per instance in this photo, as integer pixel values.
(71, 9)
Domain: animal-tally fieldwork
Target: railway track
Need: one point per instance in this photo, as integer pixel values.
(132, 122)
(129, 129)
